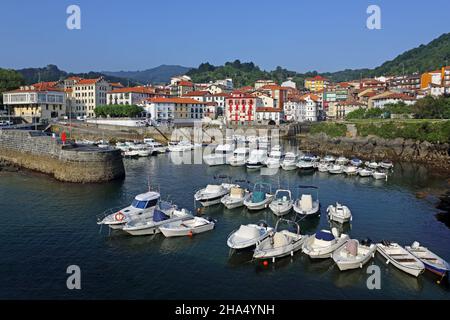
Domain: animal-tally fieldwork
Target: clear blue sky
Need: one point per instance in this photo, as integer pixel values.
(327, 35)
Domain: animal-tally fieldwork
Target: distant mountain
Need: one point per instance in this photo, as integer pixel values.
(53, 73)
(161, 74)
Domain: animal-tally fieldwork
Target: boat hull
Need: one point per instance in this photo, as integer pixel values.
(414, 271)
(182, 232)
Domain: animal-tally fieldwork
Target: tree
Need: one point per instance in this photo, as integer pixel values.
(9, 80)
(118, 111)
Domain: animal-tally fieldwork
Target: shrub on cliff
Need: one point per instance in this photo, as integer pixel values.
(118, 111)
(329, 128)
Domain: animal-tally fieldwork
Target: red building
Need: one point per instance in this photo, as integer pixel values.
(241, 108)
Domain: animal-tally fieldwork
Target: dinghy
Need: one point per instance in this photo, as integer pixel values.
(187, 227)
(378, 175)
(258, 199)
(400, 258)
(339, 213)
(350, 170)
(322, 244)
(282, 203)
(386, 164)
(341, 160)
(364, 172)
(235, 198)
(432, 261)
(279, 243)
(248, 236)
(372, 164)
(323, 166)
(354, 254)
(336, 169)
(305, 205)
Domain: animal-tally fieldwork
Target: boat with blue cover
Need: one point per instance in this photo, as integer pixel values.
(323, 243)
(260, 197)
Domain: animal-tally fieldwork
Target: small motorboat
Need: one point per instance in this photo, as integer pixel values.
(181, 146)
(142, 206)
(307, 161)
(279, 243)
(213, 193)
(356, 162)
(350, 170)
(155, 146)
(323, 166)
(239, 157)
(221, 155)
(386, 164)
(259, 199)
(323, 243)
(364, 172)
(305, 205)
(149, 226)
(400, 258)
(372, 164)
(341, 160)
(377, 174)
(131, 153)
(187, 227)
(339, 213)
(336, 169)
(235, 198)
(257, 159)
(354, 254)
(329, 158)
(282, 203)
(248, 235)
(275, 158)
(290, 161)
(432, 261)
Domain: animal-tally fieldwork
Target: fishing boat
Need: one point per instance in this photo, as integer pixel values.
(290, 161)
(386, 164)
(221, 155)
(328, 158)
(356, 162)
(282, 203)
(305, 205)
(275, 158)
(257, 159)
(247, 236)
(148, 226)
(279, 243)
(259, 199)
(341, 160)
(432, 261)
(213, 193)
(187, 227)
(239, 157)
(336, 169)
(400, 258)
(364, 172)
(339, 213)
(323, 243)
(377, 174)
(354, 254)
(235, 198)
(350, 170)
(142, 206)
(372, 164)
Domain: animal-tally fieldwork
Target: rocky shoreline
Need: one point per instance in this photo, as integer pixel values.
(436, 156)
(7, 166)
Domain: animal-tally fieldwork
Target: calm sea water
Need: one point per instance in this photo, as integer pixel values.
(49, 225)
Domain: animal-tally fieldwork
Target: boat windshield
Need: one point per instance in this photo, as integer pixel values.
(144, 204)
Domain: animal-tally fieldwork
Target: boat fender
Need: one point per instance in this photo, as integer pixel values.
(292, 253)
(387, 261)
(119, 216)
(360, 265)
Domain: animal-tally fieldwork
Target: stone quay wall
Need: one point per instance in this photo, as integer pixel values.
(37, 151)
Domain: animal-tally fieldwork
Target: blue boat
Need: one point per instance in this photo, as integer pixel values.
(356, 162)
(432, 261)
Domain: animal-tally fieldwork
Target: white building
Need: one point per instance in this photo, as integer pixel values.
(175, 110)
(87, 94)
(289, 83)
(129, 96)
(379, 101)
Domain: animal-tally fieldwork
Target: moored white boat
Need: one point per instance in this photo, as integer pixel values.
(279, 243)
(386, 164)
(379, 175)
(372, 164)
(341, 160)
(328, 158)
(400, 258)
(282, 203)
(322, 244)
(356, 162)
(339, 213)
(239, 157)
(432, 261)
(290, 161)
(220, 156)
(259, 199)
(275, 158)
(213, 193)
(323, 166)
(350, 170)
(248, 236)
(142, 206)
(235, 198)
(354, 254)
(257, 159)
(336, 169)
(364, 172)
(306, 205)
(187, 227)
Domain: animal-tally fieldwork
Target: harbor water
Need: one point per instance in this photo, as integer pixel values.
(48, 225)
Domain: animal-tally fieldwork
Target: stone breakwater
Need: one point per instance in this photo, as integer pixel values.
(37, 151)
(368, 148)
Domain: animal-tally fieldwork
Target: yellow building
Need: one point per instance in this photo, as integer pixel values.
(316, 83)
